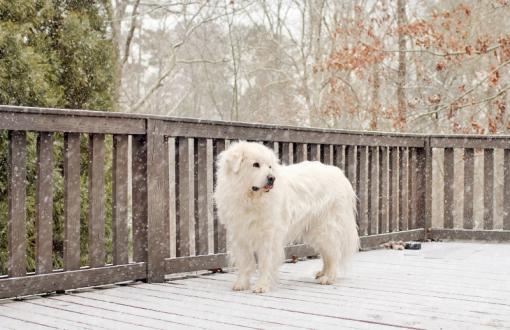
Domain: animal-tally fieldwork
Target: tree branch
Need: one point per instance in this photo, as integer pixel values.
(444, 107)
(426, 51)
(130, 33)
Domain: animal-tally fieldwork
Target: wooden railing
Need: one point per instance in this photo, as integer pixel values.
(158, 217)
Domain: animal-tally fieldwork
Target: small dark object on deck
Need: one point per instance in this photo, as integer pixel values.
(216, 270)
(294, 259)
(412, 246)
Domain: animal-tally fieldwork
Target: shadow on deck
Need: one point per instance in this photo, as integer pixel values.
(444, 285)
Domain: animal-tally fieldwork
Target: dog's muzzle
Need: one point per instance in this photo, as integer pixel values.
(268, 186)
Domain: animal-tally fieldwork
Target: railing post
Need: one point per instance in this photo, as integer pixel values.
(424, 175)
(139, 197)
(155, 200)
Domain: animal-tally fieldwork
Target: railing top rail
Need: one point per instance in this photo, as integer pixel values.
(135, 119)
(105, 114)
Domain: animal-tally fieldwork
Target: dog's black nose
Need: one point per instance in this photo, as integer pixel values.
(270, 179)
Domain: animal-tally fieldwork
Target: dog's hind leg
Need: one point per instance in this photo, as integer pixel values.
(327, 244)
(330, 264)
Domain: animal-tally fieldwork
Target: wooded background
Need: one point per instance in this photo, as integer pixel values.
(413, 66)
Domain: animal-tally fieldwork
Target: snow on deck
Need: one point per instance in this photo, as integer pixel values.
(444, 285)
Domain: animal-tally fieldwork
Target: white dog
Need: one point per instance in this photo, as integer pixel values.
(265, 205)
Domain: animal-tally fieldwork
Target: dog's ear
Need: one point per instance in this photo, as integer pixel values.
(231, 161)
(235, 161)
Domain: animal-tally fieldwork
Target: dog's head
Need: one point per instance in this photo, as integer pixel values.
(251, 165)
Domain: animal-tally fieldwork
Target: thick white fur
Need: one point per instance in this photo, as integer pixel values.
(309, 201)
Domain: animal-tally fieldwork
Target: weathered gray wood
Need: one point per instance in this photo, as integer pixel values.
(14, 323)
(173, 177)
(472, 142)
(448, 188)
(36, 319)
(269, 144)
(409, 190)
(184, 197)
(314, 152)
(236, 131)
(469, 173)
(139, 197)
(403, 195)
(378, 292)
(92, 309)
(57, 281)
(120, 201)
(166, 198)
(363, 184)
(299, 251)
(374, 192)
(394, 189)
(96, 219)
(339, 157)
(220, 234)
(351, 162)
(44, 204)
(68, 315)
(384, 198)
(156, 217)
(469, 234)
(412, 187)
(424, 183)
(202, 201)
(276, 148)
(327, 154)
(213, 129)
(444, 288)
(71, 201)
(351, 171)
(220, 260)
(153, 303)
(374, 241)
(488, 188)
(300, 153)
(285, 153)
(17, 204)
(506, 189)
(194, 263)
(70, 122)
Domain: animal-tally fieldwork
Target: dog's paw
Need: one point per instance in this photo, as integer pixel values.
(319, 274)
(261, 289)
(325, 280)
(241, 286)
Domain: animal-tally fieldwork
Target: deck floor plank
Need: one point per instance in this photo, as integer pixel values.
(230, 309)
(14, 323)
(453, 285)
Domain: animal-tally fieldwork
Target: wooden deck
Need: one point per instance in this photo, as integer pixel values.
(443, 286)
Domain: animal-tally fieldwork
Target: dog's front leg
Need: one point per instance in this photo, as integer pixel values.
(270, 257)
(245, 263)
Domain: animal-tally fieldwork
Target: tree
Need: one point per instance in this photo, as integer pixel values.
(52, 54)
(448, 66)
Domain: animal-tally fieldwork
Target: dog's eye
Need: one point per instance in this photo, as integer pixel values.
(256, 165)
(269, 166)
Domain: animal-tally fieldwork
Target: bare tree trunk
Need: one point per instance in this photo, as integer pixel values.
(115, 29)
(376, 104)
(402, 67)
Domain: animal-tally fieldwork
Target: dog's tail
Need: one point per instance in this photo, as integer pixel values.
(350, 238)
